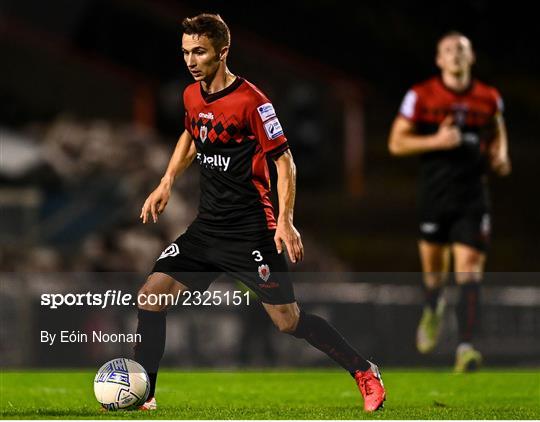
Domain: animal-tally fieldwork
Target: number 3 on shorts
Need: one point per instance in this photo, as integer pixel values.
(257, 255)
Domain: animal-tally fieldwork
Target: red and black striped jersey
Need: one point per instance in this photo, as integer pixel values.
(234, 130)
(454, 177)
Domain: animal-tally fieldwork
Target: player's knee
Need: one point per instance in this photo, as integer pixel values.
(145, 299)
(287, 325)
(470, 268)
(468, 275)
(435, 279)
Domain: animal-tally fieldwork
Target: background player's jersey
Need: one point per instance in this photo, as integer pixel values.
(454, 178)
(234, 130)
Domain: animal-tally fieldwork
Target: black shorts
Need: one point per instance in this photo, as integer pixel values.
(197, 258)
(471, 227)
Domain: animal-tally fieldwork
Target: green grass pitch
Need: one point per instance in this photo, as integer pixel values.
(318, 394)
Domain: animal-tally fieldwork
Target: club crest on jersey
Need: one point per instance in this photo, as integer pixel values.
(264, 272)
(460, 114)
(171, 250)
(203, 133)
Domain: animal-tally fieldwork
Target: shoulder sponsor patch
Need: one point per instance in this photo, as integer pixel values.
(408, 104)
(266, 111)
(500, 105)
(273, 129)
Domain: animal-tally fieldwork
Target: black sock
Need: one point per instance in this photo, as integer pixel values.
(321, 335)
(432, 296)
(149, 351)
(467, 310)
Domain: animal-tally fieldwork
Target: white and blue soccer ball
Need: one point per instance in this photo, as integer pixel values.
(121, 383)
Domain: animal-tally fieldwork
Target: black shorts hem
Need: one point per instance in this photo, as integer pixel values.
(172, 275)
(436, 241)
(480, 248)
(278, 302)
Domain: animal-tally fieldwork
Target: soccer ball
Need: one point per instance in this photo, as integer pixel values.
(121, 383)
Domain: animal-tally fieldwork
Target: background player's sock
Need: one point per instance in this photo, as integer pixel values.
(467, 310)
(152, 328)
(321, 335)
(432, 296)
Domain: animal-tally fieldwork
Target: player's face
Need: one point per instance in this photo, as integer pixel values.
(200, 56)
(455, 55)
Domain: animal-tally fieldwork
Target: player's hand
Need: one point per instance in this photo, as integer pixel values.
(500, 164)
(156, 203)
(448, 136)
(287, 233)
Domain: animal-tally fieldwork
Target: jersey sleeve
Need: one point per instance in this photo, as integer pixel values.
(267, 129)
(409, 106)
(187, 125)
(187, 120)
(499, 103)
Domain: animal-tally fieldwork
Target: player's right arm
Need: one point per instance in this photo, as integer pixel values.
(404, 141)
(182, 157)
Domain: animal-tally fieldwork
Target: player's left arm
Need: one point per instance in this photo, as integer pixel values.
(286, 188)
(498, 152)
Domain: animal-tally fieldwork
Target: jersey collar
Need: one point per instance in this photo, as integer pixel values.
(465, 91)
(208, 98)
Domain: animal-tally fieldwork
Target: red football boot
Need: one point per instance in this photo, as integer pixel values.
(372, 388)
(149, 404)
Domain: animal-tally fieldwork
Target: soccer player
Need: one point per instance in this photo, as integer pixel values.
(230, 129)
(455, 124)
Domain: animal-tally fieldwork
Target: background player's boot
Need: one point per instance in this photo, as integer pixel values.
(467, 358)
(149, 404)
(372, 388)
(429, 328)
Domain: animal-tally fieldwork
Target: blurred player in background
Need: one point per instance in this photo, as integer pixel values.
(455, 124)
(230, 129)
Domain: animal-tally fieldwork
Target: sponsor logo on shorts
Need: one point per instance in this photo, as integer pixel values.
(429, 227)
(264, 272)
(171, 250)
(214, 162)
(266, 111)
(269, 285)
(273, 129)
(470, 138)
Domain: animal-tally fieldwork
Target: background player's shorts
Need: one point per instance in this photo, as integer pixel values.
(197, 258)
(471, 227)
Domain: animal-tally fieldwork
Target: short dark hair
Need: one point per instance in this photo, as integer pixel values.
(211, 26)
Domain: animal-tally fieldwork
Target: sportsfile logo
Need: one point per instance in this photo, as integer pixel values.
(214, 162)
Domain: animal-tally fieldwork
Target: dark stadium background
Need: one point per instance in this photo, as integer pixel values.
(90, 110)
